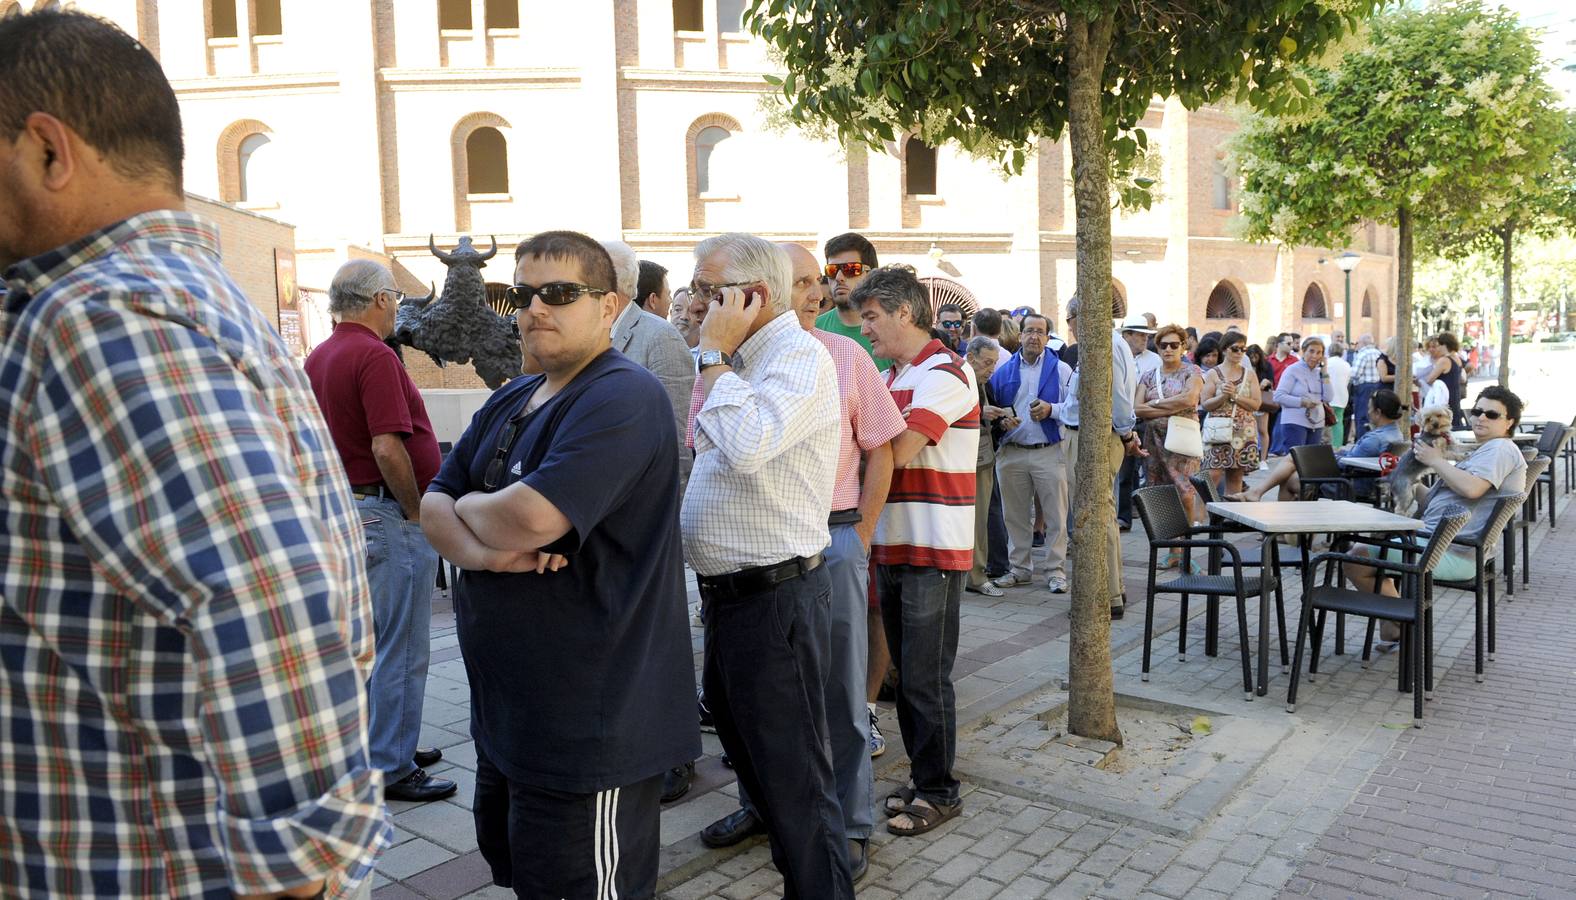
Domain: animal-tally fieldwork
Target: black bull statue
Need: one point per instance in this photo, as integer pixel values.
(459, 326)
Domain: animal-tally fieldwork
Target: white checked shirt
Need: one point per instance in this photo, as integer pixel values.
(765, 453)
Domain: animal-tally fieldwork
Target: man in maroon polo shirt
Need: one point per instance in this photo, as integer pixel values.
(385, 440)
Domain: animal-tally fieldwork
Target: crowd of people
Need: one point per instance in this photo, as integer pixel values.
(217, 565)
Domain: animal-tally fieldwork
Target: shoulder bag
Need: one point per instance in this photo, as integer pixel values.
(1217, 427)
(1182, 432)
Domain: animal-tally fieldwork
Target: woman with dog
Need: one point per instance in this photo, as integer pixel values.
(1495, 469)
(1384, 411)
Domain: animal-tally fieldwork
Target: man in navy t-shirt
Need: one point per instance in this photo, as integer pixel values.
(561, 503)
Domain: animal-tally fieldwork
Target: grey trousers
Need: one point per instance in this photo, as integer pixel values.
(1026, 475)
(847, 717)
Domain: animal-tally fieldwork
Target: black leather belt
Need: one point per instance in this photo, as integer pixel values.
(379, 490)
(1030, 446)
(843, 517)
(748, 582)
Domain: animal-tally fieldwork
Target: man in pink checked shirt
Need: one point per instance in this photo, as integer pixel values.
(870, 420)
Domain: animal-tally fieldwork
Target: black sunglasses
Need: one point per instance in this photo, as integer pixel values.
(553, 293)
(957, 324)
(1493, 415)
(506, 438)
(1169, 345)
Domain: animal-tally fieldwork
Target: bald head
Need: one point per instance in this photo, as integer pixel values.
(807, 293)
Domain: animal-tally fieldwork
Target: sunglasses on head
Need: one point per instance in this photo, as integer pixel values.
(553, 293)
(1168, 345)
(849, 269)
(1493, 415)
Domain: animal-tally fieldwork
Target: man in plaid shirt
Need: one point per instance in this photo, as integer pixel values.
(184, 632)
(1365, 382)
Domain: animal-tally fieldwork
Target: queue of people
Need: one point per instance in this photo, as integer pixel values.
(218, 566)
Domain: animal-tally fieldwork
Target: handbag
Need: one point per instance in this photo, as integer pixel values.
(1219, 429)
(1329, 415)
(1183, 436)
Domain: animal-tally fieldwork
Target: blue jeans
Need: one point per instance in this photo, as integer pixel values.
(1358, 405)
(847, 658)
(919, 609)
(765, 682)
(402, 569)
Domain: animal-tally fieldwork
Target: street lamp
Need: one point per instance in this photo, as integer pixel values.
(1348, 261)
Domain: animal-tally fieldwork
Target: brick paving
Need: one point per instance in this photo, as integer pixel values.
(1351, 802)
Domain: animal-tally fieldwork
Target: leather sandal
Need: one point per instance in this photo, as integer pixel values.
(898, 800)
(924, 817)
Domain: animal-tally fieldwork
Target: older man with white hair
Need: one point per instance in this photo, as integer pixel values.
(755, 531)
(652, 343)
(380, 428)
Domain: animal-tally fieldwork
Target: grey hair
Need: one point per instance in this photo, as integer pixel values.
(753, 259)
(354, 284)
(980, 343)
(895, 287)
(626, 267)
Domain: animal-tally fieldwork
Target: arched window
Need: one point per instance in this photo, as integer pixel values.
(221, 19)
(487, 162)
(503, 13)
(919, 168)
(270, 21)
(454, 15)
(1219, 185)
(255, 166)
(688, 15)
(1225, 302)
(705, 142)
(1368, 303)
(1313, 305)
(730, 15)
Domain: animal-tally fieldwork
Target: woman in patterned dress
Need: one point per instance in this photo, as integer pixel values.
(1171, 390)
(1232, 390)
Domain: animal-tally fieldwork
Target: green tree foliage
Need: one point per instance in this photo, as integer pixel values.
(998, 76)
(1433, 126)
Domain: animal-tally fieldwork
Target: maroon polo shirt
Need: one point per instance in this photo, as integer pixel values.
(364, 391)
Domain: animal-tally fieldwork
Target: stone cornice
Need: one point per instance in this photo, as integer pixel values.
(692, 80)
(489, 79)
(223, 86)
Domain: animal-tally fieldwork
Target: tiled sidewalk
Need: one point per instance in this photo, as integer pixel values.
(1313, 798)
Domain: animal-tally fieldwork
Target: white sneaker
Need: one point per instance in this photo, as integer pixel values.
(1011, 579)
(877, 740)
(1057, 584)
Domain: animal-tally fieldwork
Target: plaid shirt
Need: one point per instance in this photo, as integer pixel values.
(1366, 369)
(184, 621)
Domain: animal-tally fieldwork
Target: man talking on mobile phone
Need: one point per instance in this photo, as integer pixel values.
(755, 528)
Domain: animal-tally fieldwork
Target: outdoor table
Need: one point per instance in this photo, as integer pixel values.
(1365, 463)
(1469, 439)
(1272, 518)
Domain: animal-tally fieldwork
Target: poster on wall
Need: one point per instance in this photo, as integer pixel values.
(291, 325)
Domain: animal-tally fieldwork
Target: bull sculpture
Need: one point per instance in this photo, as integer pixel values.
(459, 326)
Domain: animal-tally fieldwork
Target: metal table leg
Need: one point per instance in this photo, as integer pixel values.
(1267, 558)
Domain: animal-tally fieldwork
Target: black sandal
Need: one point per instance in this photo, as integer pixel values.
(903, 795)
(927, 817)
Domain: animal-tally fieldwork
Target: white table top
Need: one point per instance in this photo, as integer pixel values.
(1312, 517)
(1470, 439)
(1366, 463)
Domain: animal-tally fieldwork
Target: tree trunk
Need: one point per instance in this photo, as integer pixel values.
(1091, 702)
(1403, 317)
(1507, 237)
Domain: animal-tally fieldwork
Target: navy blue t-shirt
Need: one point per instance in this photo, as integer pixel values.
(582, 679)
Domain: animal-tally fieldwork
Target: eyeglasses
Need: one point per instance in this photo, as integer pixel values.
(1236, 348)
(1034, 331)
(849, 269)
(1168, 345)
(1493, 415)
(713, 292)
(952, 324)
(506, 437)
(399, 296)
(553, 293)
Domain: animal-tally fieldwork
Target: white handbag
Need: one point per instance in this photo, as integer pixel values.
(1218, 429)
(1183, 436)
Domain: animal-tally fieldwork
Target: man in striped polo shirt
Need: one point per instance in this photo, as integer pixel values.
(924, 543)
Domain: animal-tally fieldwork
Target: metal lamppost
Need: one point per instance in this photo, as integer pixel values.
(1348, 261)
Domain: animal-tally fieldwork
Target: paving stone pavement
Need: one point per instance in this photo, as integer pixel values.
(1327, 799)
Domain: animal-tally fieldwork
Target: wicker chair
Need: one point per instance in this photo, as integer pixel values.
(1413, 610)
(1523, 524)
(1166, 523)
(1551, 443)
(1484, 544)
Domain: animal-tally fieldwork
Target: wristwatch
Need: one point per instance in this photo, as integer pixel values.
(709, 358)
